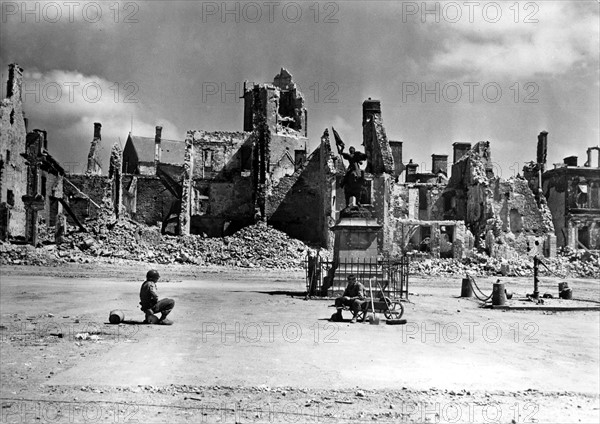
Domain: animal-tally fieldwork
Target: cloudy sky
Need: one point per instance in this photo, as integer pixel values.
(447, 72)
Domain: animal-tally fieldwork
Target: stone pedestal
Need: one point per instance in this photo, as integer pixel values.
(355, 239)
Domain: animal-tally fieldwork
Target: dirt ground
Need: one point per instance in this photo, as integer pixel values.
(246, 347)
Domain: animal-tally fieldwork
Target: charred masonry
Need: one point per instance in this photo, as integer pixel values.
(214, 183)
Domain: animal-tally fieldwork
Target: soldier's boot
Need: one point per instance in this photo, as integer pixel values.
(163, 318)
(337, 317)
(151, 318)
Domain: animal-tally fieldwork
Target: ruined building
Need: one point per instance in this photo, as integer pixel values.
(13, 169)
(216, 182)
(502, 214)
(572, 193)
(31, 180)
(405, 209)
(442, 216)
(45, 179)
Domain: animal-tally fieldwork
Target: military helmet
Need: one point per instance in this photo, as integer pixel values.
(152, 275)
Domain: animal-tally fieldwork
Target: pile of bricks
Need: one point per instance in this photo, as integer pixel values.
(14, 254)
(579, 264)
(254, 246)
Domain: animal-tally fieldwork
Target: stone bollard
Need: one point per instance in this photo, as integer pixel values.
(498, 294)
(466, 290)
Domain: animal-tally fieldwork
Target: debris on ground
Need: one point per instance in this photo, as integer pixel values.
(567, 263)
(256, 246)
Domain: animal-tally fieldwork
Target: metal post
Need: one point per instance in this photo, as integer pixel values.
(536, 280)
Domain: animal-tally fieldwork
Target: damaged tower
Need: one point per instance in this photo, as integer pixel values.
(94, 164)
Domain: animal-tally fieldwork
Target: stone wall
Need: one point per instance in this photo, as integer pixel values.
(153, 200)
(54, 188)
(503, 215)
(295, 205)
(13, 170)
(96, 187)
(219, 155)
(222, 198)
(572, 195)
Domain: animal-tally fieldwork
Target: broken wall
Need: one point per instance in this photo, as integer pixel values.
(287, 153)
(301, 202)
(96, 187)
(503, 215)
(329, 171)
(13, 168)
(94, 163)
(130, 159)
(377, 148)
(222, 183)
(282, 103)
(54, 187)
(220, 155)
(572, 195)
(152, 200)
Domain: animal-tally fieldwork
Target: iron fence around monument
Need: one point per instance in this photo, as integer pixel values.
(326, 278)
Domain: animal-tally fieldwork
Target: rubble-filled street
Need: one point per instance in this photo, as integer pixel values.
(247, 347)
(255, 246)
(308, 212)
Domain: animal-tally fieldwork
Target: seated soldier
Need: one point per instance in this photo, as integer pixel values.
(151, 304)
(354, 297)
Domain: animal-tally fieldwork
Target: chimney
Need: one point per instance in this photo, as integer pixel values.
(570, 161)
(542, 147)
(15, 80)
(370, 108)
(97, 128)
(459, 150)
(157, 138)
(43, 142)
(396, 147)
(439, 163)
(590, 157)
(411, 170)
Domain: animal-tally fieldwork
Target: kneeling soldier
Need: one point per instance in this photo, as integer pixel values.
(151, 304)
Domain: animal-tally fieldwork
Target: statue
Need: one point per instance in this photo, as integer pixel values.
(353, 179)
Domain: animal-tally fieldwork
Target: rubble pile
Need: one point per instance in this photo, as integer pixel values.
(573, 264)
(14, 254)
(254, 246)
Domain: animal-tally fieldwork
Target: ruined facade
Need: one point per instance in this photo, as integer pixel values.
(404, 209)
(447, 217)
(573, 196)
(216, 182)
(13, 169)
(45, 180)
(503, 215)
(31, 180)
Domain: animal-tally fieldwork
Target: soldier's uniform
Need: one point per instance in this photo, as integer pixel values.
(149, 300)
(354, 297)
